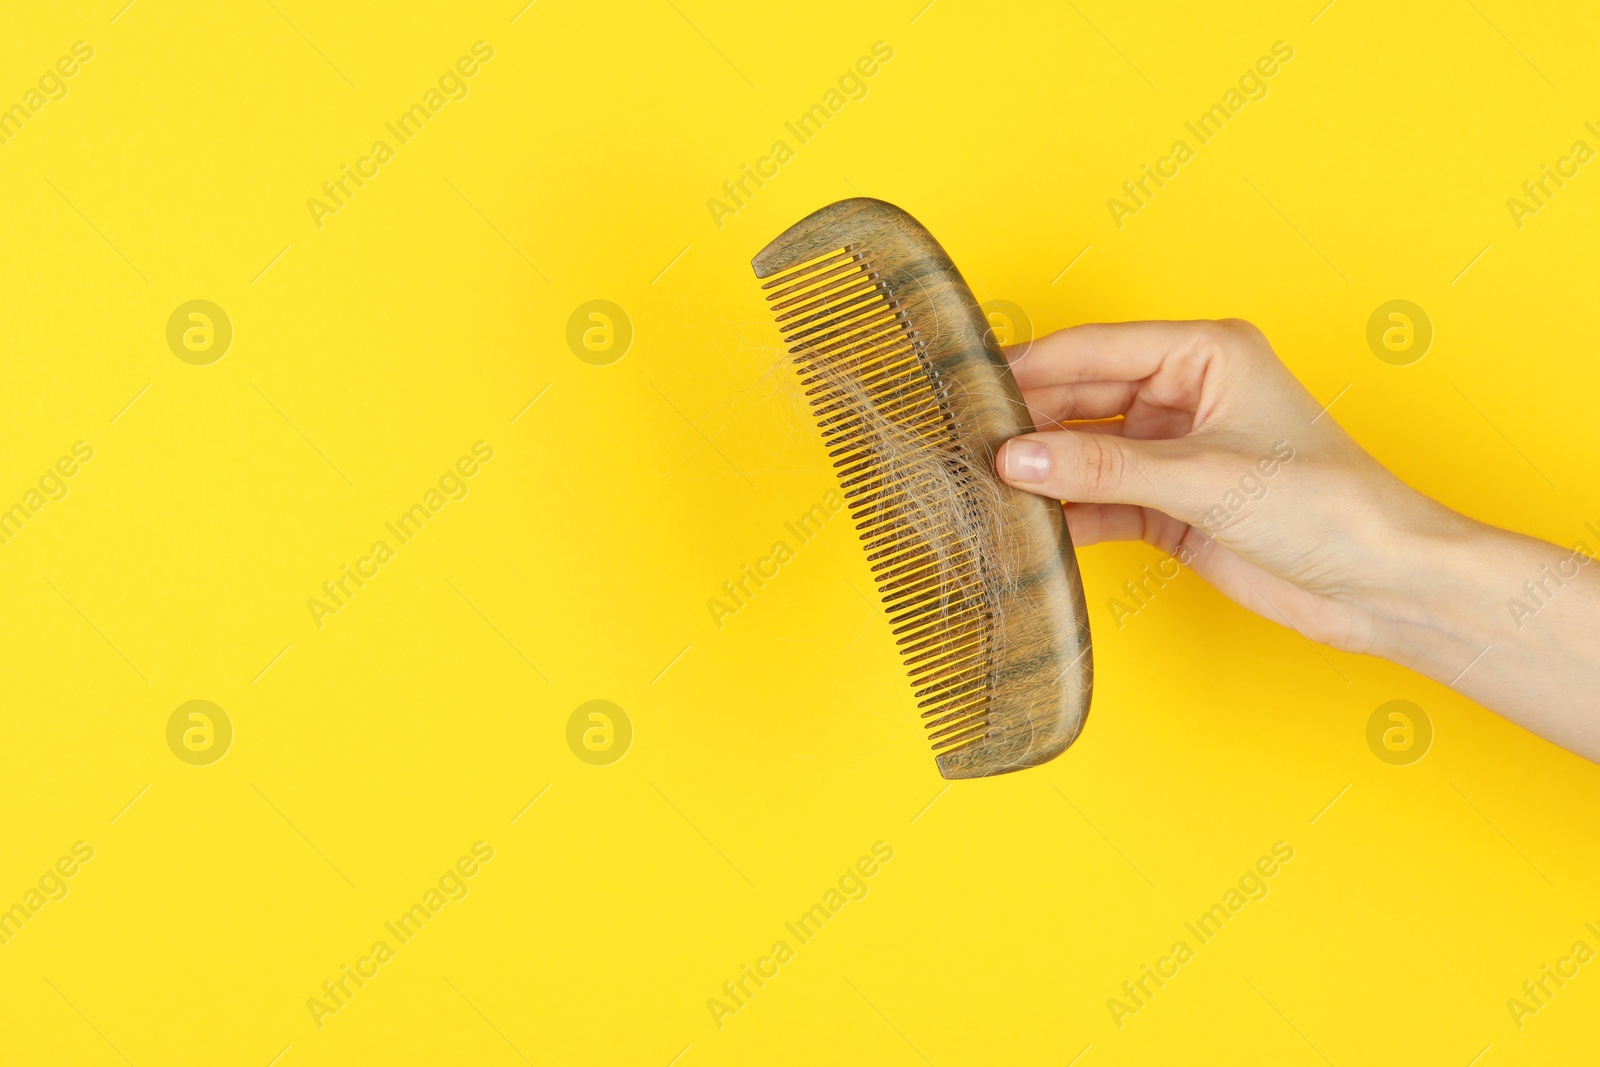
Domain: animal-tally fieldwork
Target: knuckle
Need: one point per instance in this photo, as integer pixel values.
(1097, 468)
(1246, 339)
(1227, 343)
(1242, 329)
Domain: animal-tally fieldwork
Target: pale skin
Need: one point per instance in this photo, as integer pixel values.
(1146, 428)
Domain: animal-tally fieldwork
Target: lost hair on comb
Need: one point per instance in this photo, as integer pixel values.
(913, 398)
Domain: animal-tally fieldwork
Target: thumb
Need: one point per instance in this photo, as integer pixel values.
(1172, 476)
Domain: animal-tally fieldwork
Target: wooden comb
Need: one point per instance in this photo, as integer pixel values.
(913, 398)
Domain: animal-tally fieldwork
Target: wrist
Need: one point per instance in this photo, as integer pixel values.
(1449, 595)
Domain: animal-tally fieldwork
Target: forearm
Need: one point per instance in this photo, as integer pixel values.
(1509, 621)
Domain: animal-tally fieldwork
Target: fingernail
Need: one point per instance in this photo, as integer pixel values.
(1027, 461)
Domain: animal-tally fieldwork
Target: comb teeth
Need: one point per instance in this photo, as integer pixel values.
(856, 349)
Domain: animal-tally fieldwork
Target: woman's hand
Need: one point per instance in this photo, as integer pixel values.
(1194, 437)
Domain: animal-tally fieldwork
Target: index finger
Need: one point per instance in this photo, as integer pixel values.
(1102, 352)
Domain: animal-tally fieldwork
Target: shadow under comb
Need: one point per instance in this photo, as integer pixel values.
(913, 398)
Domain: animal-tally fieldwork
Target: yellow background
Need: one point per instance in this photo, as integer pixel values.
(770, 753)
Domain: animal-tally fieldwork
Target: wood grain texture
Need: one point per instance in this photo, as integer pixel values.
(861, 288)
